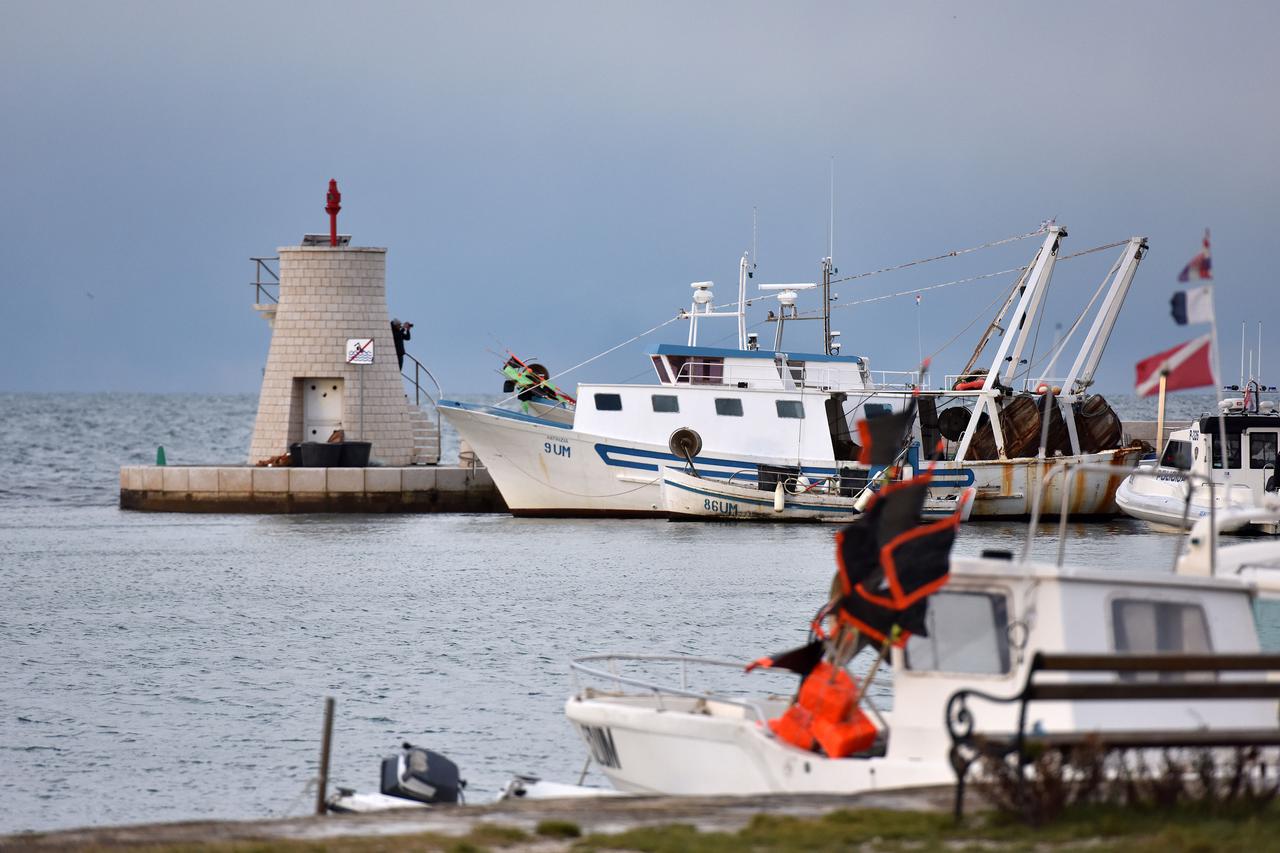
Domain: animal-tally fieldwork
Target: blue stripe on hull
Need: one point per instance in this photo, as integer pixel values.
(607, 453)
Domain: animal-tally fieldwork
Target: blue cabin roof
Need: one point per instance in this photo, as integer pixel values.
(721, 352)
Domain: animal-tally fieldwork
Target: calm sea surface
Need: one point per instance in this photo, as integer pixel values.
(167, 667)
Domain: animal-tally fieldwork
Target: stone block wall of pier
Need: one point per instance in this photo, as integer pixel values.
(328, 295)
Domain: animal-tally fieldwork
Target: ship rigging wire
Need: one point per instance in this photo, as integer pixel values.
(952, 254)
(683, 314)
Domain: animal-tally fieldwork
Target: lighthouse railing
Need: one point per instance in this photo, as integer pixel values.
(263, 266)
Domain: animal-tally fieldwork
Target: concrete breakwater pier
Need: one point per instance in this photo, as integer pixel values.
(417, 488)
(337, 377)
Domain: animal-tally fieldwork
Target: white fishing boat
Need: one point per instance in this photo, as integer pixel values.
(688, 497)
(759, 410)
(670, 735)
(1163, 495)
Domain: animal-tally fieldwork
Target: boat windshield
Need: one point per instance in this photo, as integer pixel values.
(1177, 454)
(968, 633)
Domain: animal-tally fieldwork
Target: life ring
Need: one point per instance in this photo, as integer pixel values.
(971, 385)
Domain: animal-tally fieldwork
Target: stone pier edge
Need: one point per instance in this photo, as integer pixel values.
(243, 489)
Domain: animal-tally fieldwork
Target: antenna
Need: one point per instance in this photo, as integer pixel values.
(1259, 349)
(831, 220)
(1242, 324)
(755, 237)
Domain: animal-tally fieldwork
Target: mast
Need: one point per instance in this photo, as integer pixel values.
(1242, 322)
(827, 265)
(827, 269)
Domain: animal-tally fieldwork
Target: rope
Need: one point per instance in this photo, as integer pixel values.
(1091, 251)
(683, 315)
(916, 290)
(1057, 351)
(312, 784)
(952, 254)
(975, 319)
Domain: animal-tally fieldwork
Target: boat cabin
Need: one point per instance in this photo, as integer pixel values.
(984, 628)
(993, 614)
(1252, 439)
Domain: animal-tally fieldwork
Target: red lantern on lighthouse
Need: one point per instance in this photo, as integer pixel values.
(332, 206)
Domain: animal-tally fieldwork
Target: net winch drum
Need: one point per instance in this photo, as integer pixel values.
(685, 444)
(423, 775)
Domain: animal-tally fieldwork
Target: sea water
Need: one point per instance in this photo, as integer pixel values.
(160, 667)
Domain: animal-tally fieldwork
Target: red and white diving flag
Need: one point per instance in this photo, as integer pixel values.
(1186, 366)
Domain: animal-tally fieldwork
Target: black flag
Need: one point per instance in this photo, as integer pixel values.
(882, 438)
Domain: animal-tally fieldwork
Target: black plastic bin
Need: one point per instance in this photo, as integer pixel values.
(316, 454)
(355, 454)
(295, 454)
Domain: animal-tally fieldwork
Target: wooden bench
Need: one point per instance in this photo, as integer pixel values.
(1137, 677)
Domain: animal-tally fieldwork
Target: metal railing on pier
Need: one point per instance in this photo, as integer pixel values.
(419, 375)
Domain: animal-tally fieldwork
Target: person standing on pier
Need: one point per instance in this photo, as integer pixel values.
(399, 334)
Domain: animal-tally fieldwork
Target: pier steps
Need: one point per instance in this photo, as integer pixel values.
(426, 437)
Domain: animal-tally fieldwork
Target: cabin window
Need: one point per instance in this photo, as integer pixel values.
(609, 402)
(876, 410)
(662, 370)
(790, 408)
(1143, 626)
(1262, 450)
(666, 403)
(1233, 449)
(1177, 454)
(730, 406)
(968, 632)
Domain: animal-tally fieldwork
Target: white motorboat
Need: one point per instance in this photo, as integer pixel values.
(1188, 479)
(650, 734)
(761, 410)
(415, 778)
(686, 496)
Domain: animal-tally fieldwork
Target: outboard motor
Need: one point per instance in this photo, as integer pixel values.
(422, 775)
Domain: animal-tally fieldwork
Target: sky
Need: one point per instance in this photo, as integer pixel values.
(550, 177)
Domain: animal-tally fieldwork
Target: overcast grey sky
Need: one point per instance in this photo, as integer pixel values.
(551, 176)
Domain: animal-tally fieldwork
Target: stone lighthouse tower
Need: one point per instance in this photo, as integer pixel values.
(329, 294)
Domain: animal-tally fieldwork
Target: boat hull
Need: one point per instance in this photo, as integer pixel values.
(1159, 499)
(646, 750)
(689, 498)
(546, 469)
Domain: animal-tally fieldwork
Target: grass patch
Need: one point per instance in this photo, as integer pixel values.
(1094, 829)
(554, 828)
(496, 834)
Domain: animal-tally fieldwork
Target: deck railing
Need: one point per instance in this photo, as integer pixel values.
(581, 666)
(766, 375)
